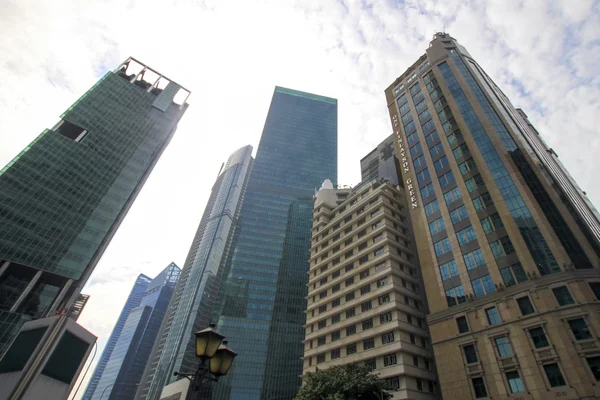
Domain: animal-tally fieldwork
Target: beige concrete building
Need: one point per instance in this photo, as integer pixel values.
(365, 294)
(507, 242)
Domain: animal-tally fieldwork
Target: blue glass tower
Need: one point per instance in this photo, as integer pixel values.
(126, 364)
(135, 298)
(260, 307)
(192, 305)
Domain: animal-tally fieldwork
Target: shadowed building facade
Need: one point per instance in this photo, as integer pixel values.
(260, 307)
(507, 241)
(192, 305)
(64, 196)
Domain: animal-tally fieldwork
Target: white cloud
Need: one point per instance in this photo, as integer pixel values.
(231, 54)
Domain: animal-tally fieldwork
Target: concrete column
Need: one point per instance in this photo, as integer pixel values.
(25, 293)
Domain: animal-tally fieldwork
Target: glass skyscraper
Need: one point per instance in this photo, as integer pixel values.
(507, 241)
(64, 196)
(260, 307)
(135, 298)
(192, 305)
(125, 366)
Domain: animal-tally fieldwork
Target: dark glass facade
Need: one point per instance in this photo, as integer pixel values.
(64, 195)
(124, 369)
(382, 162)
(192, 305)
(260, 307)
(135, 298)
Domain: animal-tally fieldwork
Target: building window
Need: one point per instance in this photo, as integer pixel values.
(416, 150)
(491, 223)
(513, 274)
(503, 346)
(390, 359)
(387, 338)
(479, 388)
(502, 247)
(320, 358)
(483, 286)
(474, 259)
(462, 324)
(386, 317)
(441, 163)
(447, 179)
(349, 281)
(452, 195)
(525, 306)
(459, 214)
(384, 299)
(538, 337)
(442, 247)
(580, 329)
(437, 226)
(430, 387)
(350, 313)
(322, 308)
(335, 288)
(350, 296)
(350, 330)
(371, 364)
(351, 349)
(427, 364)
(382, 282)
(466, 166)
(432, 138)
(394, 382)
(321, 340)
(415, 361)
(427, 190)
(455, 296)
(448, 270)
(368, 344)
(555, 377)
(563, 297)
(514, 381)
(366, 306)
(368, 324)
(437, 149)
(492, 316)
(482, 202)
(364, 274)
(470, 353)
(595, 286)
(412, 339)
(365, 289)
(423, 175)
(594, 364)
(432, 207)
(335, 318)
(378, 252)
(474, 183)
(466, 235)
(419, 384)
(363, 260)
(335, 354)
(322, 324)
(460, 151)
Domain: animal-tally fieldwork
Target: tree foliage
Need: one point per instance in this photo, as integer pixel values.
(344, 382)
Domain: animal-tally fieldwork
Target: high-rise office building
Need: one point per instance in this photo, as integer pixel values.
(192, 305)
(121, 376)
(133, 300)
(365, 294)
(507, 241)
(260, 307)
(64, 196)
(382, 163)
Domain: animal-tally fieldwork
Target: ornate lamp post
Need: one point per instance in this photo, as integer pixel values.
(209, 346)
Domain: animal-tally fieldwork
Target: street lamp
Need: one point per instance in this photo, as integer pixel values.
(209, 346)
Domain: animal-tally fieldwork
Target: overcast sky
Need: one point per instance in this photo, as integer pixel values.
(544, 54)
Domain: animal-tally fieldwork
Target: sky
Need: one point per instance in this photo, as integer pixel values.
(231, 54)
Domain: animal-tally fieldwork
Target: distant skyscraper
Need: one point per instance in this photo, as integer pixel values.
(260, 307)
(133, 301)
(382, 163)
(508, 243)
(192, 305)
(64, 196)
(125, 366)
